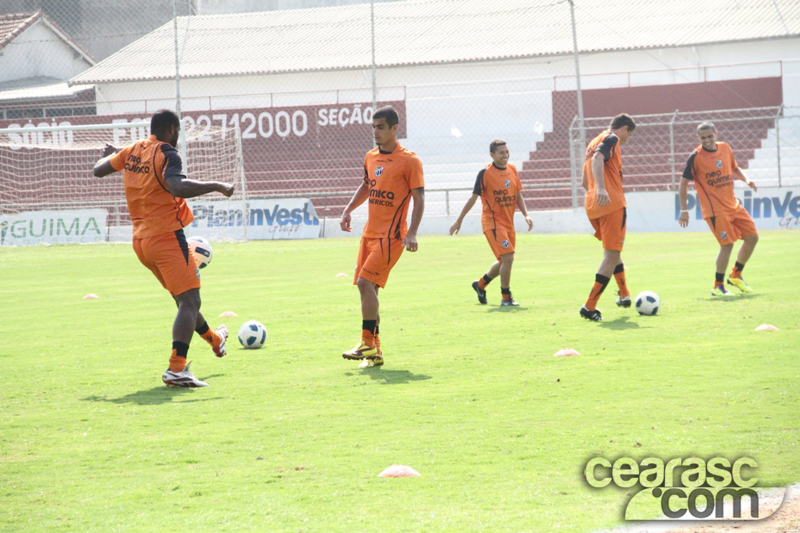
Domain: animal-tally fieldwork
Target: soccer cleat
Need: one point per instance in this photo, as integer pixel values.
(372, 360)
(481, 292)
(222, 331)
(360, 351)
(595, 315)
(509, 302)
(739, 284)
(185, 378)
(624, 302)
(720, 290)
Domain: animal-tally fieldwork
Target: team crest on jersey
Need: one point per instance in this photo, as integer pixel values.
(508, 184)
(378, 172)
(719, 163)
(723, 235)
(506, 244)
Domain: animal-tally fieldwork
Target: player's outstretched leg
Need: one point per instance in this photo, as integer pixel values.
(746, 250)
(216, 338)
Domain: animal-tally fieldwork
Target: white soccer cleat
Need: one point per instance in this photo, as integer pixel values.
(222, 331)
(184, 378)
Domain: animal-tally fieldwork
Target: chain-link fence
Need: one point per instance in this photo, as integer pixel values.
(766, 143)
(301, 85)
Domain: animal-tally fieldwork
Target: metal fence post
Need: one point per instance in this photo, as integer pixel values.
(778, 142)
(572, 163)
(672, 147)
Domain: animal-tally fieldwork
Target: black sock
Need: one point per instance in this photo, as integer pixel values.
(369, 325)
(720, 277)
(505, 291)
(202, 330)
(181, 348)
(739, 266)
(487, 279)
(620, 268)
(377, 329)
(603, 281)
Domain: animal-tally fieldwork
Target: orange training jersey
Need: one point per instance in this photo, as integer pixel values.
(607, 144)
(498, 189)
(153, 209)
(390, 179)
(712, 173)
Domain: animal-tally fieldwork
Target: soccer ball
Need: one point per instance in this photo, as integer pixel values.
(647, 303)
(201, 249)
(252, 334)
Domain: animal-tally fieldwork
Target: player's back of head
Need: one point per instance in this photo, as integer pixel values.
(162, 120)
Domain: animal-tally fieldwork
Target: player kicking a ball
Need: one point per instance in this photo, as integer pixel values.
(155, 190)
(606, 208)
(392, 177)
(499, 188)
(713, 168)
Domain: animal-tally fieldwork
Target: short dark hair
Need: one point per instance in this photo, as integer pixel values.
(706, 126)
(494, 145)
(387, 113)
(162, 120)
(622, 120)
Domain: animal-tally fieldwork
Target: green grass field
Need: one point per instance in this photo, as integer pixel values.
(292, 437)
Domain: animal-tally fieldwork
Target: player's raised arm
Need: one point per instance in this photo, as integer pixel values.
(103, 167)
(186, 188)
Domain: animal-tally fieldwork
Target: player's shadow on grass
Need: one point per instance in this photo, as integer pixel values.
(155, 396)
(622, 322)
(391, 377)
(506, 309)
(734, 298)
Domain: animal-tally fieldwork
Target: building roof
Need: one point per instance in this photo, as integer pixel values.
(14, 24)
(40, 88)
(416, 32)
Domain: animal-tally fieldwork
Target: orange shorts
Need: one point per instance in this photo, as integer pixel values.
(731, 227)
(611, 229)
(376, 257)
(501, 241)
(168, 257)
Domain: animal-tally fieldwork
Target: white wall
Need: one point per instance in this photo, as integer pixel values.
(22, 57)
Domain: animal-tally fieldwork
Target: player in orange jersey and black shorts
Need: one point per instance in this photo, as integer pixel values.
(155, 188)
(500, 189)
(713, 168)
(606, 208)
(392, 177)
